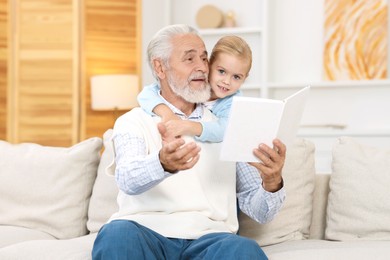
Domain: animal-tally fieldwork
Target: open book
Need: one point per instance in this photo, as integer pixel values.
(258, 120)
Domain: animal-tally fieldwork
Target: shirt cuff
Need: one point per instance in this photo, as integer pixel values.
(156, 165)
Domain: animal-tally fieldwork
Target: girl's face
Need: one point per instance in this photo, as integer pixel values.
(227, 74)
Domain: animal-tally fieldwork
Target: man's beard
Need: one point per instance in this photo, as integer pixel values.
(184, 90)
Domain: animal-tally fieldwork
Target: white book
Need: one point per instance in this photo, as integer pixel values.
(253, 121)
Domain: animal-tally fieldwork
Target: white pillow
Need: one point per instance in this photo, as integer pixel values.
(293, 221)
(48, 188)
(359, 197)
(103, 200)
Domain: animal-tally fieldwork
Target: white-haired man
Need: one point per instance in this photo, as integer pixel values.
(177, 200)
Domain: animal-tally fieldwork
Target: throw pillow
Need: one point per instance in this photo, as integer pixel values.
(48, 188)
(358, 203)
(293, 220)
(103, 200)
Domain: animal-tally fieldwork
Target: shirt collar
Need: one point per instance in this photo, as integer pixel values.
(195, 115)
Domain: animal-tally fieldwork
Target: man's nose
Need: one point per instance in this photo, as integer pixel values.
(202, 65)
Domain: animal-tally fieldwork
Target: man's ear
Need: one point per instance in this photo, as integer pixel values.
(159, 68)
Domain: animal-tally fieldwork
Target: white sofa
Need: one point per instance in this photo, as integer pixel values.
(54, 200)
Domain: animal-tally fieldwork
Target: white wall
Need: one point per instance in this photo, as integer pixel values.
(294, 33)
(296, 48)
(155, 15)
(295, 40)
(158, 13)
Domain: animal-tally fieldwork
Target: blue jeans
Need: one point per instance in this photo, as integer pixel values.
(123, 239)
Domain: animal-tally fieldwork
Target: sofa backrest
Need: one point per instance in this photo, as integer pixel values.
(103, 199)
(320, 202)
(292, 223)
(47, 189)
(293, 220)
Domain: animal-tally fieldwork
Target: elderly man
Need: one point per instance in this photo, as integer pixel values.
(177, 200)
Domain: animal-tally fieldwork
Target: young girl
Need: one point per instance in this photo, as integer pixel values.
(230, 62)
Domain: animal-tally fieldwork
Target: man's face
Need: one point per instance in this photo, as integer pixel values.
(188, 69)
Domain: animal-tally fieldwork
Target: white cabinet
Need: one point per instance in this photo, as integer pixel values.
(358, 109)
(254, 37)
(248, 13)
(286, 39)
(251, 25)
(251, 21)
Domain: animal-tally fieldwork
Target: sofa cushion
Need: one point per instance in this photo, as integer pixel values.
(358, 203)
(293, 221)
(48, 188)
(325, 250)
(103, 200)
(11, 235)
(79, 248)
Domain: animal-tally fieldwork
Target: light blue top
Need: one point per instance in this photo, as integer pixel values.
(213, 131)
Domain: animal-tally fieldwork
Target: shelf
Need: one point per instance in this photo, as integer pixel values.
(336, 132)
(251, 86)
(231, 31)
(331, 84)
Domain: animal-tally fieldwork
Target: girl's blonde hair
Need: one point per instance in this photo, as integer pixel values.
(232, 45)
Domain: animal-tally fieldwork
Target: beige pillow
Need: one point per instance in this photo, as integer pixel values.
(293, 221)
(103, 200)
(359, 198)
(48, 188)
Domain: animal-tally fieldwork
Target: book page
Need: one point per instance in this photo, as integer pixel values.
(252, 121)
(292, 115)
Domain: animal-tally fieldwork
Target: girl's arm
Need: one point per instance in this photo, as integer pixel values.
(213, 131)
(152, 103)
(165, 113)
(148, 98)
(184, 127)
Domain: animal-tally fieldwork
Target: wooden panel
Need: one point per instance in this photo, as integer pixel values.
(112, 45)
(3, 68)
(45, 72)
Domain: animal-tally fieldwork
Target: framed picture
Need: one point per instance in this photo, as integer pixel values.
(355, 39)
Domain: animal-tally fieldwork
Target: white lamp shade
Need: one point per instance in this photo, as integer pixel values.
(111, 92)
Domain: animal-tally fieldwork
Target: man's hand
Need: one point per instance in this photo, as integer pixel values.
(272, 164)
(175, 155)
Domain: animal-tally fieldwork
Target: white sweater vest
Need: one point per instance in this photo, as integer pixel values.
(187, 204)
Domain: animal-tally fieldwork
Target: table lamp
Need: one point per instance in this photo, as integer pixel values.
(114, 92)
